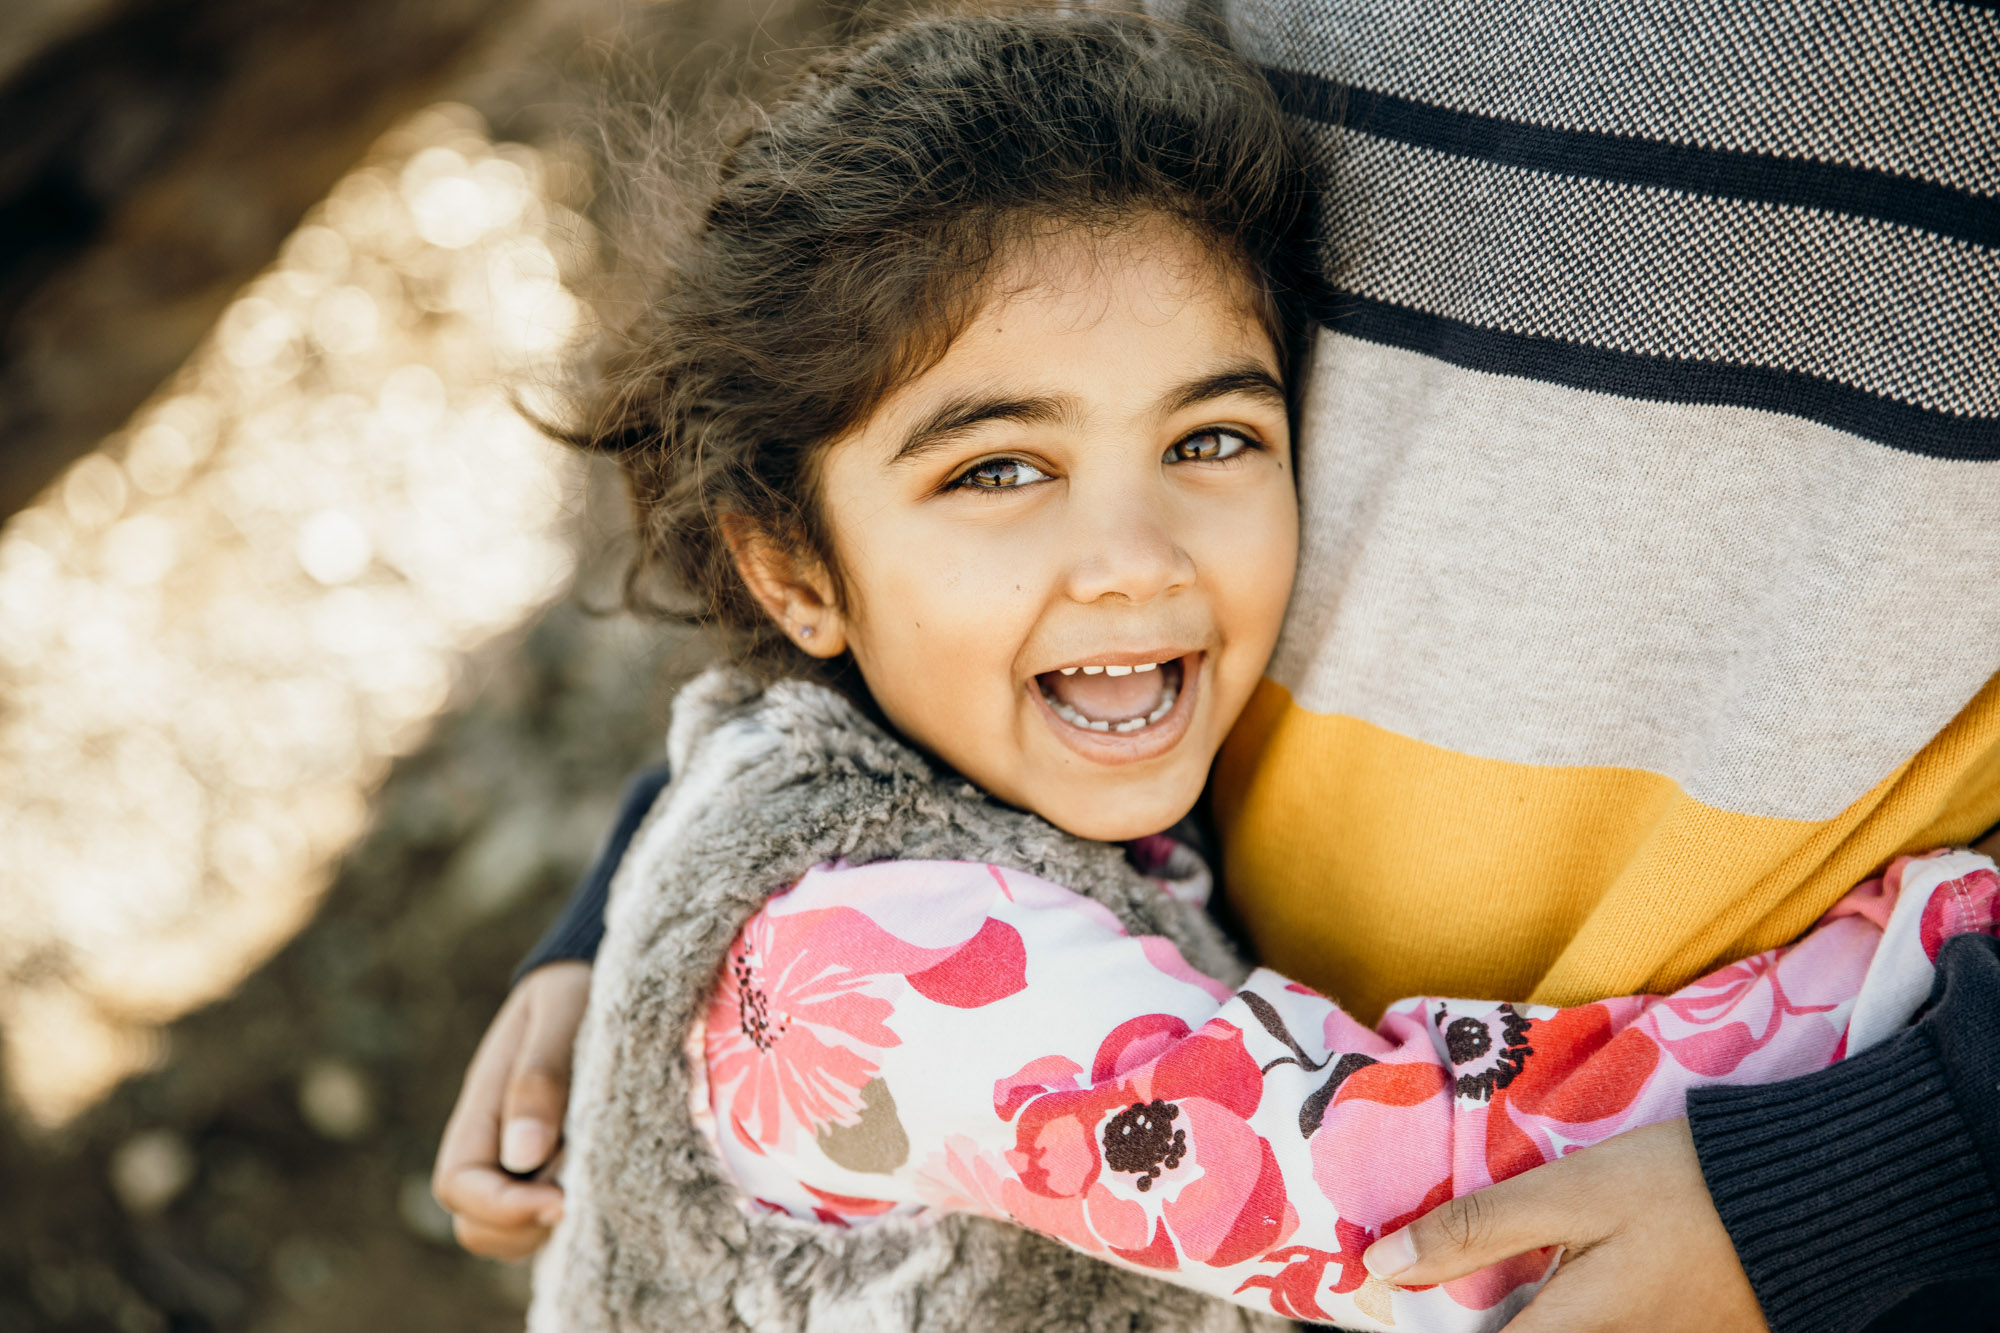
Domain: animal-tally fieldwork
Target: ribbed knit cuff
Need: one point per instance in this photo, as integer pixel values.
(576, 933)
(1847, 1190)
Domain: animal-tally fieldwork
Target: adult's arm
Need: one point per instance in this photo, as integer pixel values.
(1848, 1190)
(1837, 1194)
(494, 1169)
(578, 930)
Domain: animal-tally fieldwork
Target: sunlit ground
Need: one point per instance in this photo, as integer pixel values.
(219, 630)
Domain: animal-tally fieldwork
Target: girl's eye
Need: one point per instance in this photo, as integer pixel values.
(1207, 445)
(997, 474)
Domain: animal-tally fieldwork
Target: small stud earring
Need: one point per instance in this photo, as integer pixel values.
(805, 631)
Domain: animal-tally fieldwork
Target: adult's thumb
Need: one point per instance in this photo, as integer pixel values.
(537, 1092)
(1473, 1231)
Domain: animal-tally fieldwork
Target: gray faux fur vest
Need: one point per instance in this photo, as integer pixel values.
(767, 784)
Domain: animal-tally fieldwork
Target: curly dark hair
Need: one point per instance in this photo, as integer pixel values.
(846, 240)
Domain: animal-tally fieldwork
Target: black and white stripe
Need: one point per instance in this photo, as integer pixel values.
(1819, 237)
(1910, 88)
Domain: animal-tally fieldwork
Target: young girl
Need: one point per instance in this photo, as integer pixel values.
(965, 410)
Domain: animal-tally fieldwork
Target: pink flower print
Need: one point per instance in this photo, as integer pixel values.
(1957, 907)
(1552, 1087)
(1531, 1075)
(1038, 1076)
(963, 1179)
(801, 1005)
(990, 966)
(790, 1023)
(1381, 1152)
(838, 1209)
(1295, 1288)
(1749, 987)
(1155, 1161)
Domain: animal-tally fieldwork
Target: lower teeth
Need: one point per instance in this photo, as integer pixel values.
(1130, 724)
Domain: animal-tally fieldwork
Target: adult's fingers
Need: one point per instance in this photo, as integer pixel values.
(472, 1133)
(493, 1213)
(1533, 1210)
(499, 1242)
(488, 1198)
(537, 1088)
(1672, 1275)
(1583, 1297)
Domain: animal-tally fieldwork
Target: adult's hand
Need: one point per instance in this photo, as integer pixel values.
(1643, 1248)
(500, 1144)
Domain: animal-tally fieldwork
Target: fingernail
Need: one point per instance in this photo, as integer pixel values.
(1393, 1254)
(524, 1145)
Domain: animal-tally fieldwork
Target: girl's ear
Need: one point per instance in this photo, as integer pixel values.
(791, 586)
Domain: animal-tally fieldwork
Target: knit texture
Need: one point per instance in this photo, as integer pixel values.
(1647, 453)
(1848, 1190)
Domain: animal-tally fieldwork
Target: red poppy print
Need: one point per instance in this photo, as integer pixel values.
(1572, 1069)
(1155, 1162)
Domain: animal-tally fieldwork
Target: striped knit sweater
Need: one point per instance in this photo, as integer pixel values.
(1650, 472)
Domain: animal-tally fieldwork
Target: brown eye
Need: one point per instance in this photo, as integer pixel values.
(1206, 446)
(997, 474)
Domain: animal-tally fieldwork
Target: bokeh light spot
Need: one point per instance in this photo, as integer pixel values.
(219, 630)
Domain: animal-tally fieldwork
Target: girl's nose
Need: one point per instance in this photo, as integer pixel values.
(1125, 549)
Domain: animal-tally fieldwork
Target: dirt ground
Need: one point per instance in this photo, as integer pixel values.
(271, 1174)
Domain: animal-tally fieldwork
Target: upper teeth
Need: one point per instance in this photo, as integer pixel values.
(1112, 670)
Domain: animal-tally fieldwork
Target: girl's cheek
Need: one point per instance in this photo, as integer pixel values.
(1251, 552)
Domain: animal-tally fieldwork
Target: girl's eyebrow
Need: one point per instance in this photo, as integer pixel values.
(962, 414)
(959, 415)
(1245, 377)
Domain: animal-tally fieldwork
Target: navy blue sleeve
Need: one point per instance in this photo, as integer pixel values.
(577, 932)
(1854, 1189)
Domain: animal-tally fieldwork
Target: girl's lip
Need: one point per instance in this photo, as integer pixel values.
(1111, 747)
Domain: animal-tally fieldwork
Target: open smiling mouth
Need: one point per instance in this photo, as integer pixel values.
(1114, 700)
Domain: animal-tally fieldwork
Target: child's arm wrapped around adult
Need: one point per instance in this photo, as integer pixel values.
(898, 1038)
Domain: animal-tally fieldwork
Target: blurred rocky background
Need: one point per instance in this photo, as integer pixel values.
(312, 703)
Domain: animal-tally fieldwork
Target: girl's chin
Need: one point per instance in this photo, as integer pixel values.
(1084, 818)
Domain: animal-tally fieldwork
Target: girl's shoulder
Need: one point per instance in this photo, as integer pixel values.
(726, 719)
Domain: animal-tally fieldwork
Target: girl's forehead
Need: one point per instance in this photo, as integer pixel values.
(1073, 302)
(1074, 264)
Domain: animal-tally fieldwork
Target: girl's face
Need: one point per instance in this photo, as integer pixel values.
(1066, 547)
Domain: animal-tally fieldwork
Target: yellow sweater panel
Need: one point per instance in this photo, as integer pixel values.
(1372, 866)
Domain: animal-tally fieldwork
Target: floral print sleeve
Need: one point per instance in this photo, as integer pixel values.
(897, 1038)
